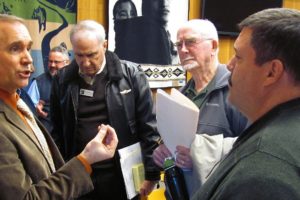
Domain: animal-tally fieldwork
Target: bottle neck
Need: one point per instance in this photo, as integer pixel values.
(169, 163)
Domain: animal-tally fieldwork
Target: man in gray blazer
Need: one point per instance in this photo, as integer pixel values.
(31, 166)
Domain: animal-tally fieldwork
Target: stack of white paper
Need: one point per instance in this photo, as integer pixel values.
(177, 119)
(129, 157)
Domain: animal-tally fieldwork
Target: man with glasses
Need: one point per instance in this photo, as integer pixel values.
(40, 88)
(198, 45)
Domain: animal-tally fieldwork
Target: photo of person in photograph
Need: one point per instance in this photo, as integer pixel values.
(124, 9)
(145, 39)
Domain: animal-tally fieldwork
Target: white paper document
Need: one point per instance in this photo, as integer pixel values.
(177, 119)
(129, 157)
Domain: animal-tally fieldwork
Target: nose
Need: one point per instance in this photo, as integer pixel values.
(231, 64)
(51, 64)
(183, 48)
(85, 61)
(26, 58)
(128, 15)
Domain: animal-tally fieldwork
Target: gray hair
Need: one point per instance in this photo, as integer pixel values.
(89, 26)
(62, 48)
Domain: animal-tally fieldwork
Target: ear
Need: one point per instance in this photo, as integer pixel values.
(105, 44)
(275, 71)
(215, 46)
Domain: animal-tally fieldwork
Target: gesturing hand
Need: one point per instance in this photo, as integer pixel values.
(102, 146)
(39, 109)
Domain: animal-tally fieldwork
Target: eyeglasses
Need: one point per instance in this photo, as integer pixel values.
(189, 42)
(56, 61)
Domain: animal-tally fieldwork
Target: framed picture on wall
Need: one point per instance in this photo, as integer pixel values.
(143, 31)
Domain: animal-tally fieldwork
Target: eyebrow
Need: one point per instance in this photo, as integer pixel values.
(188, 38)
(86, 53)
(21, 42)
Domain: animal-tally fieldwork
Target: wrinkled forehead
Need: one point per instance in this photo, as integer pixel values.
(84, 34)
(187, 33)
(13, 31)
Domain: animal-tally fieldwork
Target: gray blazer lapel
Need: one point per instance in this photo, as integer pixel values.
(13, 118)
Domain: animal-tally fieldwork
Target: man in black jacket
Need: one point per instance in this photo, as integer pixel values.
(99, 88)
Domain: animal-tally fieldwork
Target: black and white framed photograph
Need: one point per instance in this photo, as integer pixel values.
(144, 31)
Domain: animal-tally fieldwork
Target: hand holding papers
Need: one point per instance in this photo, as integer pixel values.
(177, 119)
(130, 157)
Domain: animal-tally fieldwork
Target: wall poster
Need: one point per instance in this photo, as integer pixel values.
(49, 23)
(143, 31)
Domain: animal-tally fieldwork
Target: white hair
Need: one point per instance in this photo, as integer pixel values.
(89, 26)
(204, 27)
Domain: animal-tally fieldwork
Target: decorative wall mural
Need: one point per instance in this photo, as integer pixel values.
(48, 21)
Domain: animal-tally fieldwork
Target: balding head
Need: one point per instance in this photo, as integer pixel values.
(87, 28)
(205, 28)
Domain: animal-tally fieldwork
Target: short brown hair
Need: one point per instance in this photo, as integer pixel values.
(11, 18)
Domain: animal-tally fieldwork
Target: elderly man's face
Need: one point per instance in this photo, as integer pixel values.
(89, 52)
(193, 50)
(15, 59)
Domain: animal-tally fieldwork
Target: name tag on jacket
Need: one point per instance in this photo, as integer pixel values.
(87, 93)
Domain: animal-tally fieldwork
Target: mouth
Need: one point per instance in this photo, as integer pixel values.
(189, 62)
(25, 73)
(53, 70)
(188, 59)
(89, 70)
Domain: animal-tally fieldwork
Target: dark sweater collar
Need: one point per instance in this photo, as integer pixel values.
(288, 106)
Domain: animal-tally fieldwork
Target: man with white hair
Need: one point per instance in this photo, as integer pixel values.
(98, 87)
(198, 46)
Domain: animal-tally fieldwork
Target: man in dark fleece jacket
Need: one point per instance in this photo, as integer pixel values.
(264, 162)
